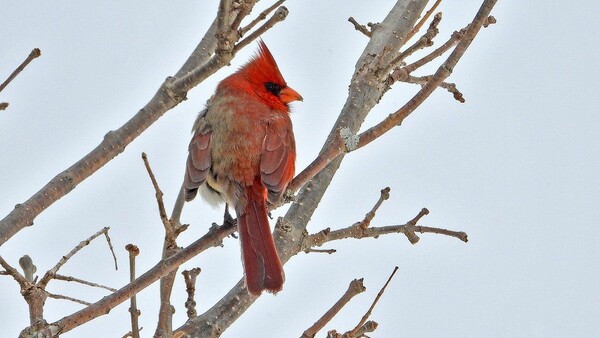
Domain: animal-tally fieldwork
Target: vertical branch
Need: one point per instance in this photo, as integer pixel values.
(190, 287)
(164, 326)
(133, 310)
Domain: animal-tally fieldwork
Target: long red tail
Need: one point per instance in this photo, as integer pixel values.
(262, 266)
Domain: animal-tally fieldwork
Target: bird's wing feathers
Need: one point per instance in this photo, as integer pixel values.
(277, 161)
(198, 163)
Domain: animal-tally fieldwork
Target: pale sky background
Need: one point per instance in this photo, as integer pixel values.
(517, 167)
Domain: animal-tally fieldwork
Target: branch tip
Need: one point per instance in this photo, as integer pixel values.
(370, 310)
(362, 28)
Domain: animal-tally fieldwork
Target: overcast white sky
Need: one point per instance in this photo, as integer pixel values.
(517, 167)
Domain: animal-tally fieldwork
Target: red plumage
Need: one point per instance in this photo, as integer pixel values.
(243, 152)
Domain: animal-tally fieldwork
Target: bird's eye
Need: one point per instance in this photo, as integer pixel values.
(274, 88)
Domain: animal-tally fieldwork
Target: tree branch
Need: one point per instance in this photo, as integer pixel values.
(189, 277)
(133, 310)
(354, 288)
(52, 272)
(363, 320)
(161, 269)
(84, 282)
(34, 54)
(263, 15)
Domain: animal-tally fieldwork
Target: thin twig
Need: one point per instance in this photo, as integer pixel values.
(354, 288)
(422, 21)
(3, 105)
(401, 75)
(452, 41)
(361, 28)
(50, 273)
(424, 41)
(385, 194)
(23, 282)
(34, 54)
(368, 313)
(112, 250)
(133, 310)
(259, 18)
(74, 300)
(189, 277)
(327, 251)
(84, 282)
(279, 15)
(169, 229)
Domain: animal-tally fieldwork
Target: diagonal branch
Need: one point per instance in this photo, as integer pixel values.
(34, 54)
(84, 282)
(263, 15)
(23, 282)
(368, 314)
(279, 15)
(52, 272)
(354, 288)
(423, 20)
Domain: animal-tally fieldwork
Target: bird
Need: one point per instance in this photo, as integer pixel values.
(243, 153)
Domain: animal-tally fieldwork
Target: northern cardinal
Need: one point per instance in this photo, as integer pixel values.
(243, 153)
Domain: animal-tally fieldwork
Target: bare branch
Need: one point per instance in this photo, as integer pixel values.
(190, 287)
(361, 28)
(84, 282)
(169, 228)
(23, 282)
(452, 41)
(3, 105)
(71, 299)
(424, 41)
(354, 288)
(423, 20)
(263, 15)
(327, 251)
(357, 231)
(112, 250)
(50, 273)
(133, 310)
(279, 15)
(385, 194)
(172, 230)
(34, 54)
(353, 333)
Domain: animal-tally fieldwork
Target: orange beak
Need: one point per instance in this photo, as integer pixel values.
(287, 95)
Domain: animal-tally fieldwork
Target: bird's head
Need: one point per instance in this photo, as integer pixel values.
(261, 76)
